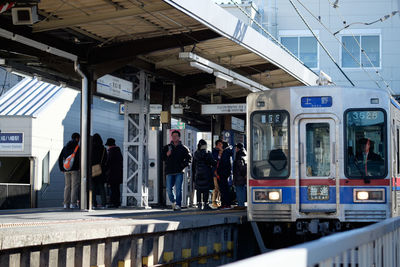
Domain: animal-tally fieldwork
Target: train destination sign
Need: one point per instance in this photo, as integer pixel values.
(11, 142)
(316, 101)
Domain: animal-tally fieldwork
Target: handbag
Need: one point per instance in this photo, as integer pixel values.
(96, 169)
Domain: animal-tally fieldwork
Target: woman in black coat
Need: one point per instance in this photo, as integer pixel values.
(202, 165)
(114, 167)
(99, 156)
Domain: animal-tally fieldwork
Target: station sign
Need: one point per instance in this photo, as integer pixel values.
(11, 142)
(115, 87)
(212, 109)
(237, 124)
(157, 108)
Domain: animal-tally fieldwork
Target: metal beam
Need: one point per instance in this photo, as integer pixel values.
(64, 23)
(143, 46)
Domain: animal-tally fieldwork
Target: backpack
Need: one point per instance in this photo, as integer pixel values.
(69, 161)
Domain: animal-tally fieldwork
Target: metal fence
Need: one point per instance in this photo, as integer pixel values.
(375, 245)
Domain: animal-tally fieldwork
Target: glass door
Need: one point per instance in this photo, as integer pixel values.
(317, 165)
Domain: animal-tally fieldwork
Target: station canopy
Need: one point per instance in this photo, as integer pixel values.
(172, 40)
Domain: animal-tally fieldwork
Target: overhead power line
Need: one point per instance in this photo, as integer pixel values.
(365, 53)
(340, 42)
(320, 43)
(368, 23)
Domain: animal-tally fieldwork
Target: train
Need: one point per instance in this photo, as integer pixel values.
(322, 159)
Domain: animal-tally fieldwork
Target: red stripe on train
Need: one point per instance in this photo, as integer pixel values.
(343, 182)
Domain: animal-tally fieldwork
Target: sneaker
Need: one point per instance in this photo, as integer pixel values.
(73, 206)
(173, 205)
(65, 206)
(214, 205)
(177, 207)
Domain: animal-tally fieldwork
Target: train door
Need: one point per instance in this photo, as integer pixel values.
(317, 183)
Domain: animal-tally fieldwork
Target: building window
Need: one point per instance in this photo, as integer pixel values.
(371, 46)
(304, 48)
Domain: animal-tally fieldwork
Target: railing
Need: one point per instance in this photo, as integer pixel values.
(375, 245)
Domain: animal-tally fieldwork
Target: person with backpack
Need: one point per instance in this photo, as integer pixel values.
(69, 163)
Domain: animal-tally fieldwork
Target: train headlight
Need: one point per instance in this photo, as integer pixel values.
(362, 195)
(274, 195)
(369, 195)
(267, 195)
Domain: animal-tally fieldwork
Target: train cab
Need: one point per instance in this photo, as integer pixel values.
(322, 157)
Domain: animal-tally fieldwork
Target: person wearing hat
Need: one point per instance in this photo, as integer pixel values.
(240, 174)
(203, 163)
(114, 166)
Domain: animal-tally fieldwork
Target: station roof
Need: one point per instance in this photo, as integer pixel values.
(119, 37)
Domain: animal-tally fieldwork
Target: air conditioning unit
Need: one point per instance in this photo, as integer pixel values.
(24, 15)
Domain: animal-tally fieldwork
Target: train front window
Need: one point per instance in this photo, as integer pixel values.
(270, 144)
(365, 150)
(318, 149)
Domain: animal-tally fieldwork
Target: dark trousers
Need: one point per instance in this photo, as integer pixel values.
(115, 198)
(224, 190)
(98, 189)
(205, 196)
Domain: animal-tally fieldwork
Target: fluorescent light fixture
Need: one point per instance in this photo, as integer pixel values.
(223, 76)
(201, 67)
(2, 61)
(242, 84)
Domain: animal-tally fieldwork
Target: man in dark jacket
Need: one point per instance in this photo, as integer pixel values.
(72, 176)
(177, 157)
(240, 174)
(114, 166)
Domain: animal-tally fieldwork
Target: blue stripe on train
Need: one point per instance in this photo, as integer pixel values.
(346, 195)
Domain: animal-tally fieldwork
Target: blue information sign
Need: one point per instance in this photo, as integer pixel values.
(316, 101)
(11, 142)
(11, 138)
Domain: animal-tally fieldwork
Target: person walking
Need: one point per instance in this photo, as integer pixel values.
(99, 157)
(114, 166)
(203, 163)
(240, 174)
(72, 176)
(177, 157)
(216, 153)
(224, 171)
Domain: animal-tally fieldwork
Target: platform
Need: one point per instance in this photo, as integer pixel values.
(118, 237)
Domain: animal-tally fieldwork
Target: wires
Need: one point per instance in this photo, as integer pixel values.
(368, 23)
(320, 43)
(337, 39)
(363, 51)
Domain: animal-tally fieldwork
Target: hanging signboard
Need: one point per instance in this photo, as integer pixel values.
(157, 108)
(237, 124)
(212, 109)
(11, 142)
(115, 87)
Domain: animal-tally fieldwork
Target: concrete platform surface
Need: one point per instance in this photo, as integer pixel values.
(32, 227)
